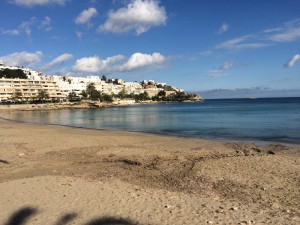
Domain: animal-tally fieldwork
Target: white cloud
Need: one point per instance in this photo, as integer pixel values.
(22, 58)
(272, 30)
(139, 60)
(10, 32)
(31, 3)
(139, 15)
(46, 24)
(221, 69)
(244, 42)
(58, 60)
(288, 35)
(95, 64)
(26, 26)
(289, 32)
(86, 15)
(292, 61)
(117, 63)
(223, 28)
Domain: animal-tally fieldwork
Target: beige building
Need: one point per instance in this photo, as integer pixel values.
(29, 89)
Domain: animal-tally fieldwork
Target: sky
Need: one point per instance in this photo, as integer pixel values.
(237, 47)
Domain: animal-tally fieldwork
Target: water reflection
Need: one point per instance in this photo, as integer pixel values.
(263, 119)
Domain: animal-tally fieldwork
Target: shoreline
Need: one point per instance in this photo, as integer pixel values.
(147, 179)
(231, 140)
(60, 106)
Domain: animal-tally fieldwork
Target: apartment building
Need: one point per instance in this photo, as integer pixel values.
(29, 89)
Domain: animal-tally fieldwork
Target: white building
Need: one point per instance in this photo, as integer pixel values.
(133, 87)
(28, 89)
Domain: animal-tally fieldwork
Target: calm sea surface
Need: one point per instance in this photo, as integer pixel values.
(270, 119)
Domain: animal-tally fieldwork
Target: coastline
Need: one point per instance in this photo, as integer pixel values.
(93, 105)
(146, 179)
(66, 105)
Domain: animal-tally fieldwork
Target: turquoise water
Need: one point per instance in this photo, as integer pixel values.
(272, 119)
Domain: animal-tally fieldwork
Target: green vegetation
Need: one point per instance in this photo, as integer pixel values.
(174, 97)
(17, 96)
(8, 73)
(142, 97)
(168, 88)
(104, 78)
(106, 98)
(73, 97)
(42, 96)
(159, 86)
(93, 94)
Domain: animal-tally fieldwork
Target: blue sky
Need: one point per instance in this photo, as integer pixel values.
(195, 45)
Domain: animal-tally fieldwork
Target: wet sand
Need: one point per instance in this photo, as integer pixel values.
(56, 175)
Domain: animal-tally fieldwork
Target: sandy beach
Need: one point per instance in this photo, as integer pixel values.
(60, 175)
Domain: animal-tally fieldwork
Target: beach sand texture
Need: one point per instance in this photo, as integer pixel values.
(60, 175)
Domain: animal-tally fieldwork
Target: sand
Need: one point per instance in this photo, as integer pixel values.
(60, 175)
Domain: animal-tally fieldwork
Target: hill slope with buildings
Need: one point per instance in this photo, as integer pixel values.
(26, 85)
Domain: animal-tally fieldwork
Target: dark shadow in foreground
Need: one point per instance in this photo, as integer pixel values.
(4, 161)
(65, 219)
(111, 221)
(21, 216)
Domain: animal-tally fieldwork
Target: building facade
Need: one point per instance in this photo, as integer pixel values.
(28, 90)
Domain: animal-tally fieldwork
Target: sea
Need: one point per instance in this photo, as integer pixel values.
(259, 120)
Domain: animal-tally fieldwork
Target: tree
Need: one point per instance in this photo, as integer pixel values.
(179, 97)
(161, 93)
(17, 96)
(73, 97)
(142, 97)
(106, 98)
(169, 88)
(9, 73)
(121, 94)
(104, 78)
(83, 94)
(95, 95)
(92, 93)
(90, 88)
(42, 96)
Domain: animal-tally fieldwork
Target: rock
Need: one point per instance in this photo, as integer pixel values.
(21, 155)
(131, 162)
(219, 211)
(234, 208)
(210, 222)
